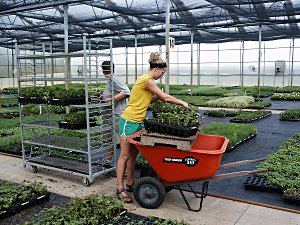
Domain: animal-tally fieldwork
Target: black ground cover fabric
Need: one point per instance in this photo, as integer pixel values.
(282, 104)
(271, 133)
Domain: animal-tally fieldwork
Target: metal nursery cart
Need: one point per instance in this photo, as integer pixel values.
(45, 144)
(174, 167)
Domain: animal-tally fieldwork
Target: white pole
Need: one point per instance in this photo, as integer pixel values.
(167, 38)
(259, 58)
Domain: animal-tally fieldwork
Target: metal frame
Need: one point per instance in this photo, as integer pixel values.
(92, 149)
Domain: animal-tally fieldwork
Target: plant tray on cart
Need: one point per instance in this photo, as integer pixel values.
(17, 207)
(176, 130)
(260, 183)
(74, 125)
(31, 100)
(67, 101)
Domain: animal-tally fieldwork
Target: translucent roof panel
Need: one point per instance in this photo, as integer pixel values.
(210, 21)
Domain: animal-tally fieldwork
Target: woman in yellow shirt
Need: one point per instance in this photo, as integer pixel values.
(143, 93)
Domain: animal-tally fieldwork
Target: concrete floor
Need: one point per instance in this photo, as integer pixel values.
(215, 210)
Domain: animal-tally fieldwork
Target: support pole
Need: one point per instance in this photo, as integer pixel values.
(13, 66)
(160, 52)
(167, 38)
(259, 59)
(126, 69)
(218, 64)
(242, 63)
(52, 64)
(198, 64)
(67, 58)
(135, 57)
(192, 61)
(264, 64)
(90, 62)
(292, 70)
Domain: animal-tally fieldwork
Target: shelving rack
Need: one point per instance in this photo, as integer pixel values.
(43, 141)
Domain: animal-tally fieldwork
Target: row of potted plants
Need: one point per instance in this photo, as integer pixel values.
(249, 116)
(8, 102)
(76, 121)
(227, 102)
(284, 168)
(286, 96)
(173, 120)
(94, 210)
(16, 197)
(290, 114)
(236, 133)
(239, 116)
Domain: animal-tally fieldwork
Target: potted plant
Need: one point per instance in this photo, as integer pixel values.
(75, 121)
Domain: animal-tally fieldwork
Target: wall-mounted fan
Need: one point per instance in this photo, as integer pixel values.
(252, 68)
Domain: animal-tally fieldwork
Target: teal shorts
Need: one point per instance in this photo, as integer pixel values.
(127, 127)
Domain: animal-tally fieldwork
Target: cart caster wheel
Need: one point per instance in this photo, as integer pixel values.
(149, 192)
(107, 175)
(33, 169)
(86, 182)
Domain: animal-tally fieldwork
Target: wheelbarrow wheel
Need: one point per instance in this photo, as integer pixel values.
(149, 192)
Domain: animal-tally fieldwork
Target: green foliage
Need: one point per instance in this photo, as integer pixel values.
(9, 101)
(92, 210)
(251, 115)
(286, 96)
(9, 110)
(12, 194)
(284, 166)
(288, 89)
(234, 132)
(78, 117)
(176, 115)
(141, 160)
(222, 113)
(231, 102)
(10, 90)
(259, 105)
(290, 114)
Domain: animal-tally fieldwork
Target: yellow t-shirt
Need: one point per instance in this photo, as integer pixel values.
(140, 99)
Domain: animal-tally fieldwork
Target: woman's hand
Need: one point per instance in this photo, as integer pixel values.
(185, 105)
(107, 99)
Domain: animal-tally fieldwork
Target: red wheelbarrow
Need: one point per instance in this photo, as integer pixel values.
(174, 167)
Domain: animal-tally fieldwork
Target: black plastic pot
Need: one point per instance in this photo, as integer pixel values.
(181, 131)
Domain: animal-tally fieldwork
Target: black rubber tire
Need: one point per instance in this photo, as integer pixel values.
(33, 169)
(149, 192)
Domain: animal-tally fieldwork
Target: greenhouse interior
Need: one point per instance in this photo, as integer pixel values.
(219, 143)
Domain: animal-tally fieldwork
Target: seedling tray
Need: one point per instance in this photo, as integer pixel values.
(259, 183)
(16, 208)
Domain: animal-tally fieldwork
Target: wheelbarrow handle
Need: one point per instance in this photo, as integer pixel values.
(240, 163)
(219, 177)
(134, 135)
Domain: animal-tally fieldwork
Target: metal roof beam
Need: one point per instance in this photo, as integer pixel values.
(42, 5)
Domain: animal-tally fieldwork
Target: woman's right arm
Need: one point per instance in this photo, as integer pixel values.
(163, 96)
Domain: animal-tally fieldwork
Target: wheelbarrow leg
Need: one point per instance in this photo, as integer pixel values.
(202, 196)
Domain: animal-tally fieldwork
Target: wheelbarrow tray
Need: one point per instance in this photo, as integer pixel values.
(173, 165)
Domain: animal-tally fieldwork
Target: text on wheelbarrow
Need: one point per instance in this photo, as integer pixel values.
(188, 161)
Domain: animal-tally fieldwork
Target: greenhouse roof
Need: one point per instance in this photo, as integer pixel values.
(211, 21)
